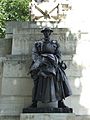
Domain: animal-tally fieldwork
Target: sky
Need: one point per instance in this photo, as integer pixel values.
(79, 18)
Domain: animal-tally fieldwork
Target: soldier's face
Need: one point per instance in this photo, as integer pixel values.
(47, 34)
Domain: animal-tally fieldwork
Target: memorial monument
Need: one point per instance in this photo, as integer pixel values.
(49, 10)
(47, 70)
(16, 84)
(50, 81)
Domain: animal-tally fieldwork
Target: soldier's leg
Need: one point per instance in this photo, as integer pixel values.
(34, 102)
(61, 104)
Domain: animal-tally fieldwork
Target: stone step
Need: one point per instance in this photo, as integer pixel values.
(48, 116)
(80, 117)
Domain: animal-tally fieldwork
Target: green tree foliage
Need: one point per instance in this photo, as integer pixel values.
(13, 10)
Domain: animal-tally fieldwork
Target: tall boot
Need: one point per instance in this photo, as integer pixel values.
(61, 104)
(34, 104)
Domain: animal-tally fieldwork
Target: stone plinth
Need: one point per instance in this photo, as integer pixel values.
(48, 116)
(16, 86)
(21, 84)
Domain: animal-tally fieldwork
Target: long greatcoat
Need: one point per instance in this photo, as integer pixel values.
(47, 71)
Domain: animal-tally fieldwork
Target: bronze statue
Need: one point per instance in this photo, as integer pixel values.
(47, 72)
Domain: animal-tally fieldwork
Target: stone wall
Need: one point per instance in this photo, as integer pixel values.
(9, 118)
(5, 46)
(23, 40)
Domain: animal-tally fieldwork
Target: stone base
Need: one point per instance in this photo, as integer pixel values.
(47, 110)
(46, 105)
(48, 116)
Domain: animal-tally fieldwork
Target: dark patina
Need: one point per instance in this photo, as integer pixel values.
(48, 73)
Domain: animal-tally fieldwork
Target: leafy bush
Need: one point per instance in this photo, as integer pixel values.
(13, 10)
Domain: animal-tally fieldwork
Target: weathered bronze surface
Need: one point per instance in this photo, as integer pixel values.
(47, 71)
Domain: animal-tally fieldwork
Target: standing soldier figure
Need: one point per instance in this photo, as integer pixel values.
(47, 72)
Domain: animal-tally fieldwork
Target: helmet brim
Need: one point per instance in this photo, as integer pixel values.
(42, 31)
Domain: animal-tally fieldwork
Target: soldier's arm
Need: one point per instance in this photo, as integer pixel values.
(58, 52)
(35, 51)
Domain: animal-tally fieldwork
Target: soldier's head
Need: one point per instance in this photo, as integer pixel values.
(46, 32)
